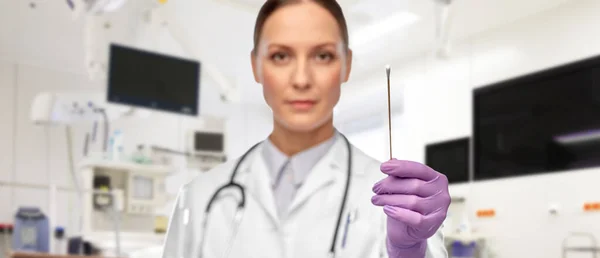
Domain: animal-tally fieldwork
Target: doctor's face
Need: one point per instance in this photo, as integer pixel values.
(301, 62)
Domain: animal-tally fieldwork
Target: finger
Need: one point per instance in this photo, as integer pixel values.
(396, 185)
(423, 224)
(408, 169)
(410, 186)
(415, 203)
(403, 215)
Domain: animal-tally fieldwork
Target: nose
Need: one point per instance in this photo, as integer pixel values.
(301, 77)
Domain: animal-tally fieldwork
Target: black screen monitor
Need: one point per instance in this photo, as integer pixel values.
(544, 122)
(450, 158)
(145, 79)
(208, 141)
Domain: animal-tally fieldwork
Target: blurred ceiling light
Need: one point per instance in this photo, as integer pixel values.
(382, 27)
(113, 5)
(95, 6)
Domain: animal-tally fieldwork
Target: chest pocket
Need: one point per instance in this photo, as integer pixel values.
(254, 237)
(359, 233)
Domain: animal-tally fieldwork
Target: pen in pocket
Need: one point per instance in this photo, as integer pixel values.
(346, 231)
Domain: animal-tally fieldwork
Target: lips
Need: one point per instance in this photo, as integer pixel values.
(302, 105)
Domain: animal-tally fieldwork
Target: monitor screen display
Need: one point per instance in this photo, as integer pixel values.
(143, 188)
(450, 158)
(544, 122)
(145, 79)
(204, 141)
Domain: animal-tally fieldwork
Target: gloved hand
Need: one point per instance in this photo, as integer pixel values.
(415, 199)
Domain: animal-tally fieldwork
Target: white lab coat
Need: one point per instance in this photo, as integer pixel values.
(306, 232)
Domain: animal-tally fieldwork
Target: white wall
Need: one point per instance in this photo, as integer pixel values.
(438, 107)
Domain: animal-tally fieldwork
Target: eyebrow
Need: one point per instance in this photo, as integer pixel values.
(326, 44)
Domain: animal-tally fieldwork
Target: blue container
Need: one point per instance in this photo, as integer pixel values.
(462, 250)
(31, 233)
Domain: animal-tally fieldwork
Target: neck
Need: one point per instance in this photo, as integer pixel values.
(292, 142)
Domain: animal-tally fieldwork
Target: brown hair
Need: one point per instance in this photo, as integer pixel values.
(270, 6)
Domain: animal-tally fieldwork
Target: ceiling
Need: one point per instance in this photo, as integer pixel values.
(42, 32)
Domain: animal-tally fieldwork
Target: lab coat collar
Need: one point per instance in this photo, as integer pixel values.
(257, 181)
(302, 163)
(331, 168)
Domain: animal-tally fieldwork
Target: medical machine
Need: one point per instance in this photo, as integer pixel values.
(67, 108)
(206, 145)
(124, 197)
(135, 190)
(144, 193)
(206, 148)
(145, 79)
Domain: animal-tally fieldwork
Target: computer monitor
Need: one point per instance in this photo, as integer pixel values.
(151, 80)
(543, 122)
(450, 158)
(205, 141)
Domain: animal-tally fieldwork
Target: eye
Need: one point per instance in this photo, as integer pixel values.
(279, 57)
(324, 57)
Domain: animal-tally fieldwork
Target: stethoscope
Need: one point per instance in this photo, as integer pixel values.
(242, 202)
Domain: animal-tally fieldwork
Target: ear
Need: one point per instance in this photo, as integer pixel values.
(253, 60)
(348, 64)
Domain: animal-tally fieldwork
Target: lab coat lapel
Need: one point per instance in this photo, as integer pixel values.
(327, 171)
(259, 185)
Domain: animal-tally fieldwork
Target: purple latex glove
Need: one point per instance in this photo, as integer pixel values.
(415, 199)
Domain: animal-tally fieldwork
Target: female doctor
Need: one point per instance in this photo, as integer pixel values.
(306, 191)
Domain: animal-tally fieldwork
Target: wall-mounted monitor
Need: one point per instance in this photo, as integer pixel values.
(208, 141)
(539, 123)
(208, 144)
(450, 158)
(145, 79)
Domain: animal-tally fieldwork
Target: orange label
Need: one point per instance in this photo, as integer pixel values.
(591, 206)
(486, 213)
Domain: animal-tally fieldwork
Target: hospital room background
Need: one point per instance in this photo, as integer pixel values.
(460, 70)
